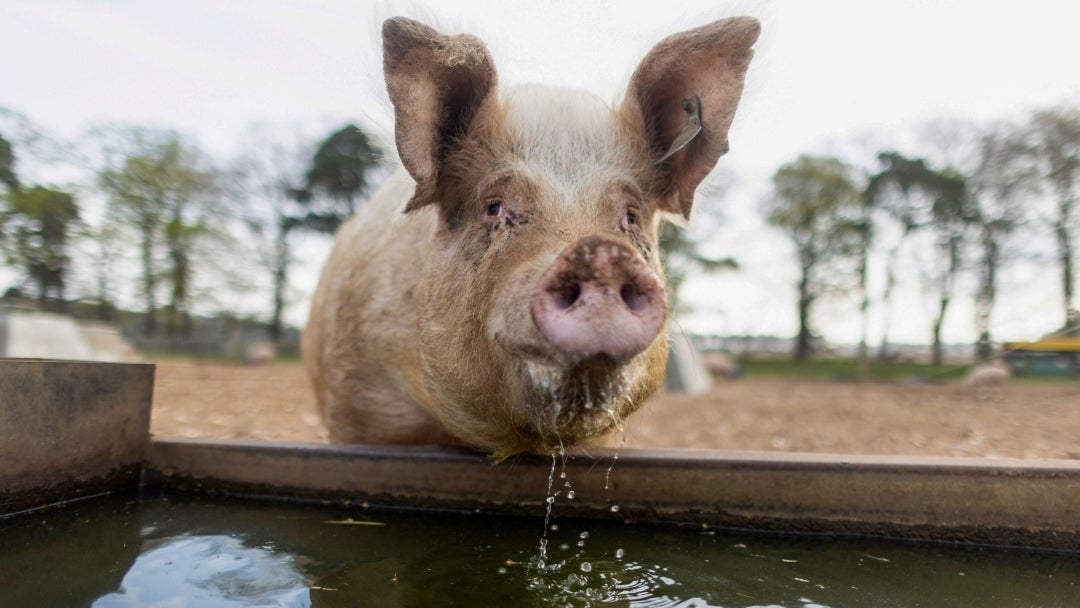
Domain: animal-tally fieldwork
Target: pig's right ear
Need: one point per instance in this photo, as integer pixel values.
(690, 79)
(438, 84)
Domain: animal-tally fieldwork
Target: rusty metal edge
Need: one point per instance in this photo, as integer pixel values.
(994, 502)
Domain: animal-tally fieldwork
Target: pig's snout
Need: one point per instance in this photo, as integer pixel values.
(599, 297)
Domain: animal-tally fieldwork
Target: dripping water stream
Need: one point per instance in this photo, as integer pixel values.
(550, 500)
(544, 560)
(563, 572)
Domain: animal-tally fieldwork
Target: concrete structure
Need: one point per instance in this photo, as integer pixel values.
(39, 335)
(70, 429)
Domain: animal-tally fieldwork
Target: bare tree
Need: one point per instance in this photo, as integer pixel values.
(952, 217)
(895, 193)
(1000, 182)
(1053, 137)
(271, 175)
(921, 199)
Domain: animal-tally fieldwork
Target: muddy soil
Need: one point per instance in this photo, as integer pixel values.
(1020, 420)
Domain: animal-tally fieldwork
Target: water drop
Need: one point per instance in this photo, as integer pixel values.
(554, 527)
(581, 543)
(583, 535)
(619, 553)
(501, 570)
(550, 499)
(607, 477)
(586, 567)
(614, 508)
(570, 495)
(562, 475)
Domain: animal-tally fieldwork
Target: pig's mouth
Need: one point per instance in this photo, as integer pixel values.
(538, 356)
(567, 405)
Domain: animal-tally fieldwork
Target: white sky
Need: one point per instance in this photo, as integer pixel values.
(826, 72)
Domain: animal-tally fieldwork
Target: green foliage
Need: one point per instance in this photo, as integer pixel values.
(7, 166)
(909, 176)
(340, 173)
(681, 257)
(923, 199)
(162, 190)
(39, 223)
(817, 203)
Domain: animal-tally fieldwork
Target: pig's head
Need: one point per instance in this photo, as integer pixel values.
(542, 313)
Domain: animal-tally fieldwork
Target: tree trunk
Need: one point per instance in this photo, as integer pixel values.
(952, 253)
(887, 296)
(281, 281)
(43, 293)
(104, 307)
(150, 326)
(61, 295)
(938, 352)
(1065, 256)
(862, 364)
(803, 345)
(985, 296)
(178, 323)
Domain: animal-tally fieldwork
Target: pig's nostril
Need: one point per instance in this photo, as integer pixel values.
(565, 297)
(633, 297)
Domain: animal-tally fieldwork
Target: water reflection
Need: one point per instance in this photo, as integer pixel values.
(210, 571)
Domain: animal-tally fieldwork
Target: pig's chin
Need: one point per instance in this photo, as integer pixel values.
(560, 401)
(566, 405)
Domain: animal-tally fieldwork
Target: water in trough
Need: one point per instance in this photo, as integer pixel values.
(182, 551)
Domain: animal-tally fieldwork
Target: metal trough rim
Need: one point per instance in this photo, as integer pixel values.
(1028, 503)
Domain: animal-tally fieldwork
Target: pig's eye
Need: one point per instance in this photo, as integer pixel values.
(631, 218)
(494, 208)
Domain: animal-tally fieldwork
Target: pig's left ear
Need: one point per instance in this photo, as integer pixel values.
(437, 84)
(699, 71)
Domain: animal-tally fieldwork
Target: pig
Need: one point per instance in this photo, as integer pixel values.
(720, 365)
(503, 289)
(259, 353)
(994, 373)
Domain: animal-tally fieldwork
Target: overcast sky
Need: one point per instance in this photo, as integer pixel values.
(826, 73)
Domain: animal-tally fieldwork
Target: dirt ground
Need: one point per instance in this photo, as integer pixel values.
(273, 402)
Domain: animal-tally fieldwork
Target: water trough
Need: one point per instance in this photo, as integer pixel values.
(71, 429)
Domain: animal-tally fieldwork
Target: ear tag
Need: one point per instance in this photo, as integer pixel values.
(690, 129)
